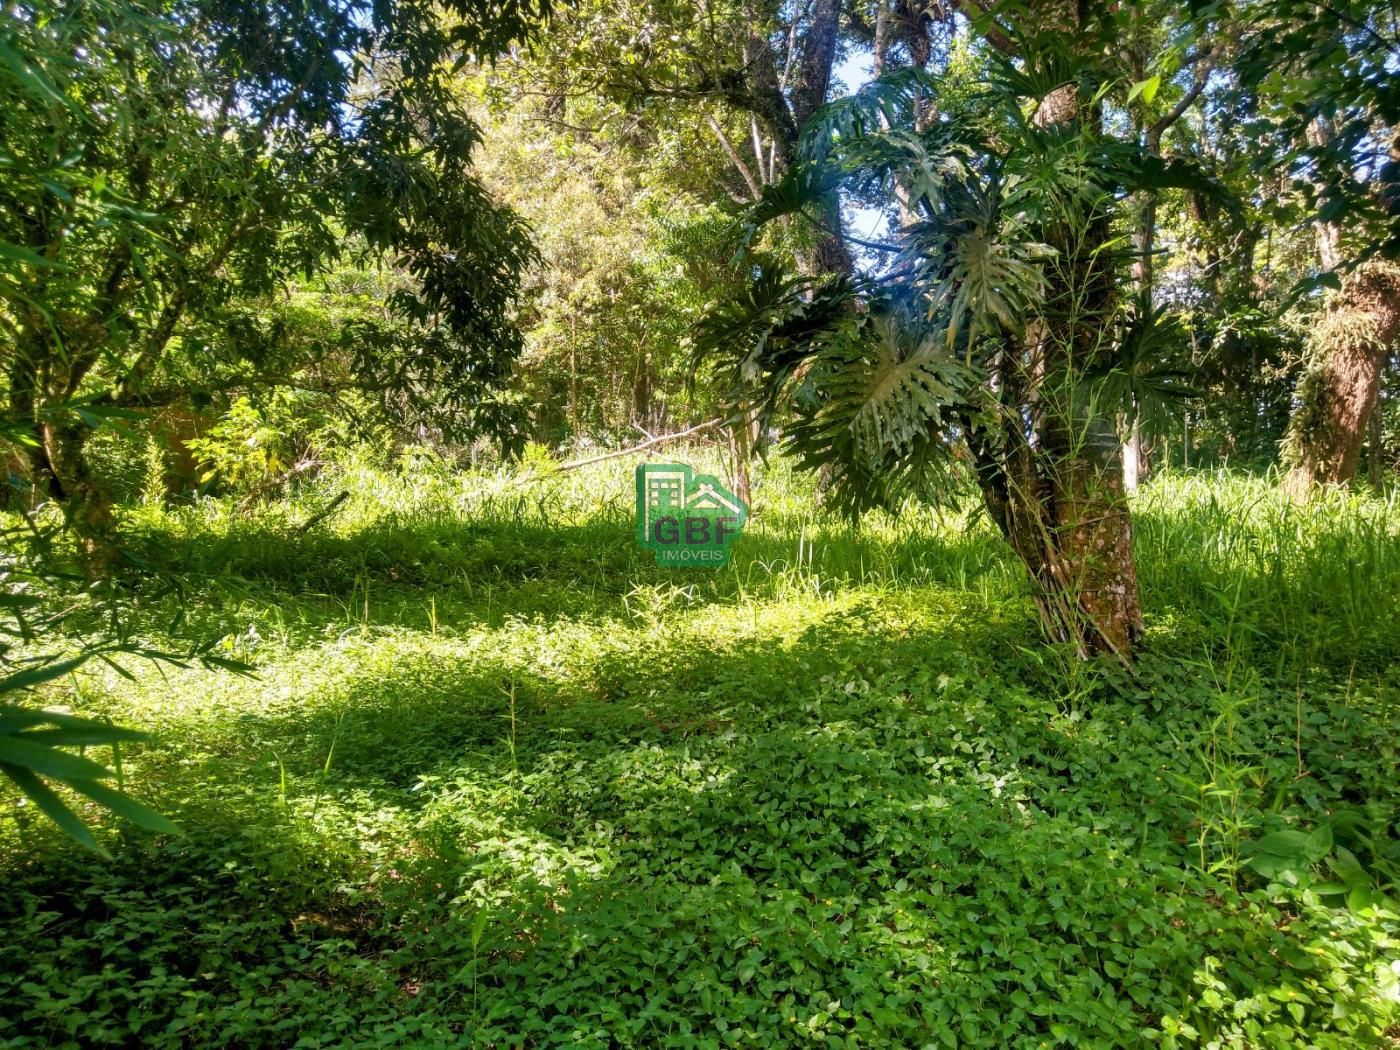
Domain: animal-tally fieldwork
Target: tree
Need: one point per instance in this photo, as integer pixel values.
(627, 253)
(1338, 395)
(1318, 84)
(995, 336)
(169, 166)
(733, 79)
(1154, 113)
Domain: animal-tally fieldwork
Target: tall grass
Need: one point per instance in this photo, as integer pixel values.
(1314, 584)
(1223, 558)
(498, 532)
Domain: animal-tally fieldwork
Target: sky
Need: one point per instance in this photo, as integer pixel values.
(867, 223)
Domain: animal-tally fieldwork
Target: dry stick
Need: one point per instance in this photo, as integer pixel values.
(644, 445)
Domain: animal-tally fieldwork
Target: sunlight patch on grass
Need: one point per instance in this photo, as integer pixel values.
(500, 781)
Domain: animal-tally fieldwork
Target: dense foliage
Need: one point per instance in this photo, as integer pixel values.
(339, 707)
(500, 781)
(169, 169)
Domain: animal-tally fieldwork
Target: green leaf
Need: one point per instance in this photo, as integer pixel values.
(126, 807)
(13, 719)
(1288, 845)
(479, 926)
(53, 807)
(14, 253)
(1146, 88)
(1290, 853)
(38, 675)
(31, 79)
(49, 761)
(238, 667)
(1346, 867)
(1333, 209)
(84, 734)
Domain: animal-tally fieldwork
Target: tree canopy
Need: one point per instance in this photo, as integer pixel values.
(171, 169)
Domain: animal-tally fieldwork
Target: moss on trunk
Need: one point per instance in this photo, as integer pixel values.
(1338, 392)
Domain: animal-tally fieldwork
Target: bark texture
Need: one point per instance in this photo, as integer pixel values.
(782, 115)
(1338, 393)
(1055, 485)
(1067, 520)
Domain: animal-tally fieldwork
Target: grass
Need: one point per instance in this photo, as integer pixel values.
(499, 781)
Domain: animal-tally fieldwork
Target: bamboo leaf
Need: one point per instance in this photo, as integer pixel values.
(49, 761)
(38, 675)
(126, 807)
(53, 807)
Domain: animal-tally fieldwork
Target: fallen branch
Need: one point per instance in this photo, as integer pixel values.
(709, 425)
(322, 514)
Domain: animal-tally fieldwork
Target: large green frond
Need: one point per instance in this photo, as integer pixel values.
(881, 407)
(887, 102)
(762, 335)
(1139, 375)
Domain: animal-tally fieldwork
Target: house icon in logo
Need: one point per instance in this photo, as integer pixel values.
(688, 519)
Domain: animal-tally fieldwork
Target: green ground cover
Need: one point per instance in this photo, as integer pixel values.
(500, 781)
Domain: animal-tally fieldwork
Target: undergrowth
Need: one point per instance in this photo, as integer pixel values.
(499, 781)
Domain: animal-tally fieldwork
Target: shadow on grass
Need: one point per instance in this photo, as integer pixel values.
(1298, 594)
(398, 713)
(463, 573)
(690, 831)
(735, 817)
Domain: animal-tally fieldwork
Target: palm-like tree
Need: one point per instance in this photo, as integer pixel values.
(994, 337)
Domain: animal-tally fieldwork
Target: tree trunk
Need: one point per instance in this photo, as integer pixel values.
(1375, 446)
(55, 452)
(1060, 499)
(573, 376)
(641, 390)
(741, 452)
(1144, 274)
(1052, 480)
(783, 121)
(1087, 551)
(87, 506)
(1132, 457)
(1338, 392)
(1066, 518)
(1095, 539)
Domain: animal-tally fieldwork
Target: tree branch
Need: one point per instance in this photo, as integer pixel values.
(874, 246)
(322, 514)
(734, 157)
(1198, 84)
(707, 425)
(980, 15)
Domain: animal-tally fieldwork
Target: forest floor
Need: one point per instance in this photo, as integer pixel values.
(500, 781)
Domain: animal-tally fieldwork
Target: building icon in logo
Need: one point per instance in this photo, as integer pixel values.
(688, 519)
